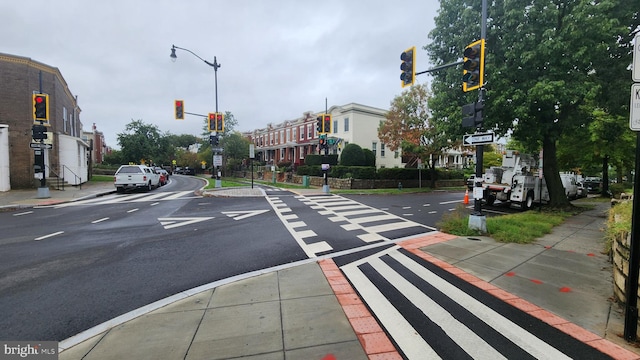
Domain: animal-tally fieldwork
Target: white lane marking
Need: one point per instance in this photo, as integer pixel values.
(170, 223)
(23, 213)
(48, 236)
(99, 220)
(133, 210)
(243, 214)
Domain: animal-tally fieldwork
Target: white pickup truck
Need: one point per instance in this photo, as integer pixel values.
(136, 177)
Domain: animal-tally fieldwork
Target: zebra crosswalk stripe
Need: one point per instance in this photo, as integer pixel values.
(465, 338)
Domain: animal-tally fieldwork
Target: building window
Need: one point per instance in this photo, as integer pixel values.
(281, 137)
(382, 149)
(335, 126)
(281, 154)
(396, 154)
(309, 131)
(301, 132)
(64, 119)
(346, 124)
(374, 146)
(295, 133)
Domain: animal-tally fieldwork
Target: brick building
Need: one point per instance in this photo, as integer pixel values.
(20, 78)
(291, 140)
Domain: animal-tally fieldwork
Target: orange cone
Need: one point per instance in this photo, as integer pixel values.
(466, 197)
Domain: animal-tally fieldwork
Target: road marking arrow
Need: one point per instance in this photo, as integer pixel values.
(170, 223)
(239, 215)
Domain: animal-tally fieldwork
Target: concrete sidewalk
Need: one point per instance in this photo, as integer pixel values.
(308, 310)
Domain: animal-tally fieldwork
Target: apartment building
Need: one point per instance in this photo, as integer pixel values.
(292, 140)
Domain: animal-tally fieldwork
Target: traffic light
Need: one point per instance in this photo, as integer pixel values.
(38, 132)
(326, 123)
(472, 114)
(41, 107)
(211, 122)
(473, 67)
(179, 109)
(220, 122)
(322, 142)
(408, 67)
(214, 140)
(319, 123)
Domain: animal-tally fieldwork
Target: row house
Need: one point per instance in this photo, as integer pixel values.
(292, 140)
(68, 157)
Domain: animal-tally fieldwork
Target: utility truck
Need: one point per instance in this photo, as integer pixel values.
(517, 181)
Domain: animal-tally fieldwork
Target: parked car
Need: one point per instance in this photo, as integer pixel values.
(570, 185)
(131, 177)
(163, 178)
(593, 184)
(189, 171)
(162, 171)
(582, 190)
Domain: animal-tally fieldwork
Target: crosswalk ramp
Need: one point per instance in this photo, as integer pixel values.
(130, 198)
(432, 314)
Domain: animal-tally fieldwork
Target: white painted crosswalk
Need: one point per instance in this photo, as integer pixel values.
(431, 314)
(130, 198)
(352, 215)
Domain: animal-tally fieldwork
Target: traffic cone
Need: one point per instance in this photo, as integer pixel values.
(466, 197)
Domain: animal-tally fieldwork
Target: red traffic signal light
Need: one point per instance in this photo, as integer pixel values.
(179, 109)
(220, 122)
(326, 123)
(41, 107)
(211, 122)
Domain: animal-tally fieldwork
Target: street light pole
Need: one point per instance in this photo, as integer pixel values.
(215, 67)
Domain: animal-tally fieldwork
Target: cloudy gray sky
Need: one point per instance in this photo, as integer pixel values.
(279, 58)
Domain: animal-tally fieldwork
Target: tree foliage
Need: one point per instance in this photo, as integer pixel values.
(352, 155)
(144, 142)
(409, 123)
(548, 66)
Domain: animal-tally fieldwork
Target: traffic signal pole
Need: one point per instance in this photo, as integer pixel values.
(477, 220)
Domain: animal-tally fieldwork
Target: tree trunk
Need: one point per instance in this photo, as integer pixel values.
(605, 176)
(557, 193)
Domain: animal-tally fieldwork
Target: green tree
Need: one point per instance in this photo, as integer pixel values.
(352, 155)
(544, 63)
(143, 142)
(409, 126)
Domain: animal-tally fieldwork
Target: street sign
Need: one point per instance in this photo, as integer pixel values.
(217, 160)
(634, 108)
(478, 139)
(635, 70)
(40, 146)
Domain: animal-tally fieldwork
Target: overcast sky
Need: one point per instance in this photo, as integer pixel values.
(279, 58)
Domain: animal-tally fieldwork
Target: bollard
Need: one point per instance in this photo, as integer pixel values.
(400, 186)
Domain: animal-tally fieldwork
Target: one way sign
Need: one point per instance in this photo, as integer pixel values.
(478, 139)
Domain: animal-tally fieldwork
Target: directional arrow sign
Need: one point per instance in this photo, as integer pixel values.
(478, 139)
(40, 146)
(170, 223)
(243, 214)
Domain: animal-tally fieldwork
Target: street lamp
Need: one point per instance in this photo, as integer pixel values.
(215, 66)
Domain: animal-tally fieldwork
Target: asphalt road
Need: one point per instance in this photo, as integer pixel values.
(69, 267)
